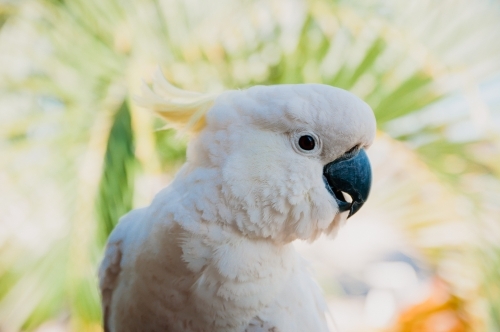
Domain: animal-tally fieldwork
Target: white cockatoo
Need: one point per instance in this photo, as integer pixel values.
(213, 252)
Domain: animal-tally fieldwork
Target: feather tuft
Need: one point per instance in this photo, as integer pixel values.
(183, 110)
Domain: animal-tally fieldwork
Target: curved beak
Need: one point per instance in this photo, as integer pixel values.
(352, 176)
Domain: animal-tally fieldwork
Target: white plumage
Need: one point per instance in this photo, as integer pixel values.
(213, 251)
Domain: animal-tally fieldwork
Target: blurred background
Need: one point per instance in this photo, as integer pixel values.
(76, 153)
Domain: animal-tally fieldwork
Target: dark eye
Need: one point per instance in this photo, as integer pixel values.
(307, 142)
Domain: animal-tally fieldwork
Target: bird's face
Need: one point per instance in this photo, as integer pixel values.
(288, 155)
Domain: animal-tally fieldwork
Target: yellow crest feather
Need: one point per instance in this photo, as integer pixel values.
(183, 110)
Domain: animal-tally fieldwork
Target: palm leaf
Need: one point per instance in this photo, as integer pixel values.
(116, 189)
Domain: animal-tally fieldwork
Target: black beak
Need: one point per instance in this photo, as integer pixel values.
(351, 175)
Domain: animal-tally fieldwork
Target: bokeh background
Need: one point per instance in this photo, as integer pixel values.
(76, 153)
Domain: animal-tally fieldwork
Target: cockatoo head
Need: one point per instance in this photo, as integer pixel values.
(290, 158)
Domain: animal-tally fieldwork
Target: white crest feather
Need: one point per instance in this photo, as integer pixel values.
(183, 110)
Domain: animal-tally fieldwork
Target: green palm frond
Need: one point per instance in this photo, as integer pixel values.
(116, 189)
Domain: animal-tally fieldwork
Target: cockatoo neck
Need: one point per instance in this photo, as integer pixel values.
(202, 201)
(204, 198)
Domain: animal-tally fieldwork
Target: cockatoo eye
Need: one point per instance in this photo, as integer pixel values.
(307, 142)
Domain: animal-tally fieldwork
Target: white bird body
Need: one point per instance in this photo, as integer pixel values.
(214, 252)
